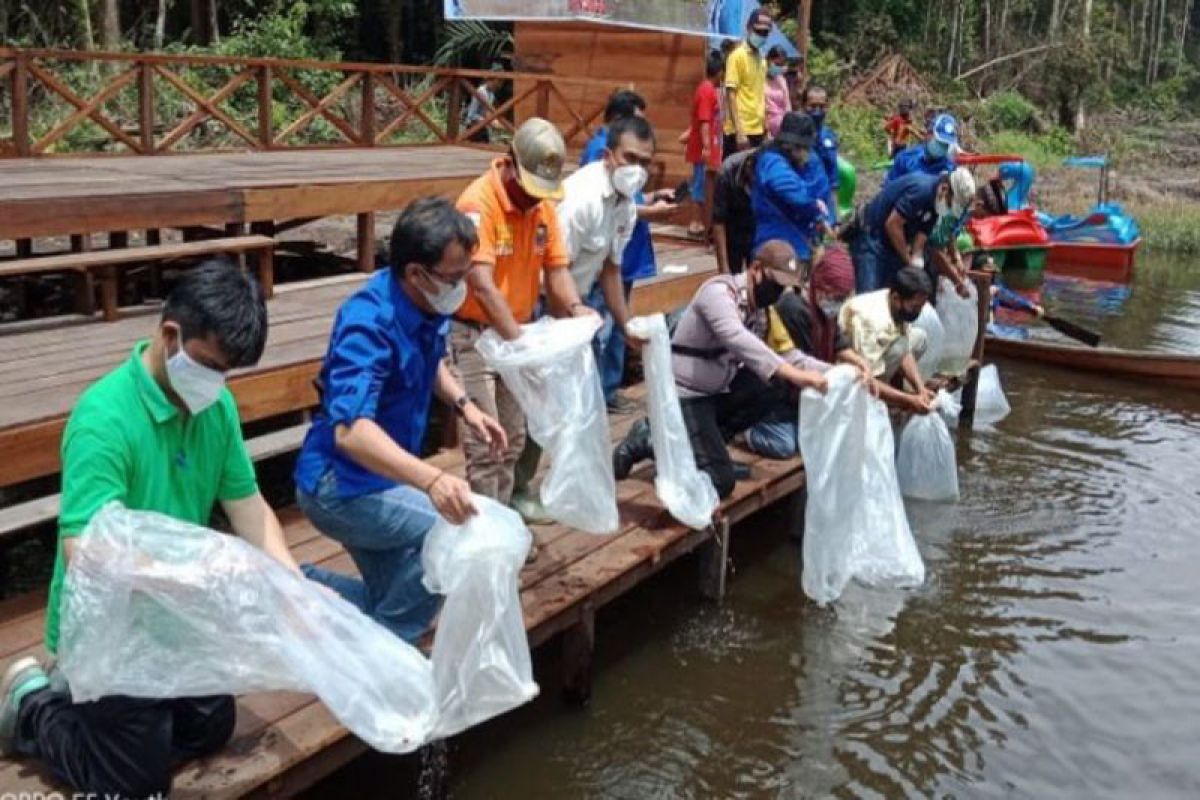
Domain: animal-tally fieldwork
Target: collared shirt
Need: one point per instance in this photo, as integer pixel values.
(785, 200)
(720, 318)
(596, 222)
(913, 197)
(915, 160)
(518, 245)
(866, 321)
(381, 365)
(126, 441)
(638, 261)
(746, 74)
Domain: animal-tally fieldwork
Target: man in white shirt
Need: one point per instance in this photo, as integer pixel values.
(597, 215)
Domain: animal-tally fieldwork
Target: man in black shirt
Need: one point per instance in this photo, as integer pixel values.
(733, 217)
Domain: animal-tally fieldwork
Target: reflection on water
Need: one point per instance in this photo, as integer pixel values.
(1052, 653)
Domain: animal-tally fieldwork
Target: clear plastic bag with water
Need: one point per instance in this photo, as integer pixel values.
(481, 663)
(991, 405)
(687, 492)
(855, 524)
(160, 608)
(935, 337)
(960, 320)
(551, 372)
(926, 464)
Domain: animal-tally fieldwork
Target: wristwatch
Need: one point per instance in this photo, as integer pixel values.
(460, 405)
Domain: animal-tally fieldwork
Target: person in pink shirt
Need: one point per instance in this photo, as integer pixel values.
(778, 93)
(704, 142)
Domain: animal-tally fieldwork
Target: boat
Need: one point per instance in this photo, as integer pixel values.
(1104, 241)
(1175, 369)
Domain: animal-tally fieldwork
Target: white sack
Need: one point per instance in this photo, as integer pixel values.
(960, 319)
(481, 664)
(551, 372)
(948, 405)
(926, 463)
(855, 525)
(935, 339)
(160, 608)
(687, 492)
(991, 405)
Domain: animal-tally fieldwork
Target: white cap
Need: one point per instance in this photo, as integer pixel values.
(962, 190)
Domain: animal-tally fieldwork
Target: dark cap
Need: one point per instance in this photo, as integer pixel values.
(796, 130)
(759, 15)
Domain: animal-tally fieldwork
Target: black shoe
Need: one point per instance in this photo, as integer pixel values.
(633, 449)
(741, 472)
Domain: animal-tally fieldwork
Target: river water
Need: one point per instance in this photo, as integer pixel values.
(1054, 650)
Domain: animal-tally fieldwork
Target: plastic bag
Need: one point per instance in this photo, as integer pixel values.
(960, 319)
(991, 405)
(935, 337)
(481, 664)
(687, 492)
(551, 372)
(855, 525)
(926, 463)
(949, 406)
(160, 608)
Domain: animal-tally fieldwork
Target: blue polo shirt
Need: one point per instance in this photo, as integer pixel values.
(638, 259)
(914, 197)
(381, 365)
(914, 160)
(785, 198)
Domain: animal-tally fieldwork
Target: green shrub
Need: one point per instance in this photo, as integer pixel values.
(860, 130)
(1007, 111)
(1041, 150)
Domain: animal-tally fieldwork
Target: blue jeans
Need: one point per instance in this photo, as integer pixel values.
(609, 345)
(776, 436)
(384, 534)
(875, 263)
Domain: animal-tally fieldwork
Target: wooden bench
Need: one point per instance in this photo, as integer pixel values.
(19, 518)
(107, 263)
(285, 742)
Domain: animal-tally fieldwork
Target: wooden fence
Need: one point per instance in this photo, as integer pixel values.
(62, 102)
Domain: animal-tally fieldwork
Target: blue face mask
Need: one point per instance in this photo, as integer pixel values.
(818, 117)
(936, 149)
(756, 40)
(774, 71)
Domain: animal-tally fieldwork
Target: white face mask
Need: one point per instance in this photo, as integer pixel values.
(942, 207)
(198, 386)
(831, 308)
(447, 299)
(628, 179)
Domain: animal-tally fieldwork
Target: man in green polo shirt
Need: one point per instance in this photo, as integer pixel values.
(159, 433)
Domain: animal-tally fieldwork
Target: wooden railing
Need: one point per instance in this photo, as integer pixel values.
(57, 102)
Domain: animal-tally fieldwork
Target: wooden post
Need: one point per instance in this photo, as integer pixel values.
(366, 242)
(110, 279)
(454, 111)
(983, 285)
(578, 647)
(20, 105)
(146, 107)
(714, 556)
(265, 134)
(24, 248)
(367, 130)
(266, 271)
(154, 238)
(543, 99)
(803, 26)
(84, 283)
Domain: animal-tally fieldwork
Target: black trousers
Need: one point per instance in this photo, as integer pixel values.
(729, 143)
(713, 420)
(121, 746)
(738, 251)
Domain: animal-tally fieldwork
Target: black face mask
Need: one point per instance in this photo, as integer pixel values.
(901, 314)
(766, 292)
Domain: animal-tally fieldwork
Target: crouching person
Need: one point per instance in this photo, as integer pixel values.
(727, 377)
(360, 478)
(878, 326)
(159, 433)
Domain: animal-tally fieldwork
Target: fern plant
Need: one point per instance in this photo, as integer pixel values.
(473, 40)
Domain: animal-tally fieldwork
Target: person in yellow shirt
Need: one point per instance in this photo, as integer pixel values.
(745, 87)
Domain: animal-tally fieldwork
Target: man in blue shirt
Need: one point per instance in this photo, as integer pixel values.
(790, 188)
(931, 157)
(359, 477)
(814, 101)
(897, 223)
(638, 261)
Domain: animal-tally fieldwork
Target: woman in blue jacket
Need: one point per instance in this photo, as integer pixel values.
(790, 188)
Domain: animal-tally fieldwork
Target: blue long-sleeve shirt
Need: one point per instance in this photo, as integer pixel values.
(915, 160)
(826, 148)
(785, 198)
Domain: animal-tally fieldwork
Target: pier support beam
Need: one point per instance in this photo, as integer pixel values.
(433, 782)
(578, 649)
(366, 242)
(714, 560)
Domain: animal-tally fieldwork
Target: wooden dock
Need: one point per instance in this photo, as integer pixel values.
(285, 742)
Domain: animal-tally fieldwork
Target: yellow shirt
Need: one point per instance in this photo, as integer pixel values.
(746, 74)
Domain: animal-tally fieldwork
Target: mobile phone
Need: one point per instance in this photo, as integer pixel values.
(681, 192)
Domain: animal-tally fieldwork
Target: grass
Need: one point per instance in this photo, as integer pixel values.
(1170, 226)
